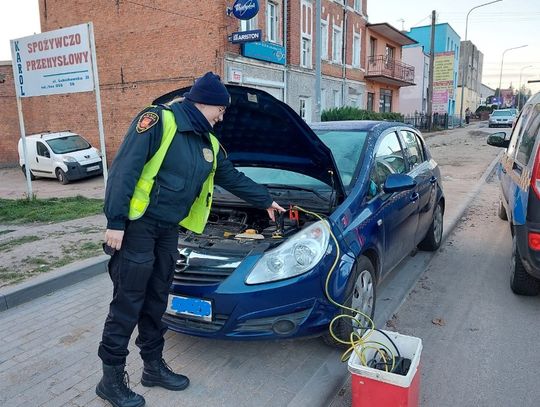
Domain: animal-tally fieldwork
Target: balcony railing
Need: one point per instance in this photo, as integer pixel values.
(390, 70)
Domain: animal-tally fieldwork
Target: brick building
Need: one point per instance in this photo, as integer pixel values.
(148, 48)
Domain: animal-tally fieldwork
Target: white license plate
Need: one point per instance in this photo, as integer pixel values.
(92, 168)
(191, 307)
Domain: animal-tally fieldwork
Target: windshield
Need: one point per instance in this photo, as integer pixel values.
(502, 113)
(278, 176)
(68, 144)
(346, 147)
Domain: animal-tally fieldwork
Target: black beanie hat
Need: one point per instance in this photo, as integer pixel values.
(209, 90)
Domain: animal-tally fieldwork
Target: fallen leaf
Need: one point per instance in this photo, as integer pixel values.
(438, 321)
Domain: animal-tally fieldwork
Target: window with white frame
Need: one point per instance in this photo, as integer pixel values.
(337, 98)
(356, 44)
(336, 44)
(302, 112)
(358, 5)
(247, 25)
(323, 99)
(272, 22)
(305, 109)
(306, 33)
(324, 39)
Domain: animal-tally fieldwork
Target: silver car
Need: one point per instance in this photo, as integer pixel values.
(502, 117)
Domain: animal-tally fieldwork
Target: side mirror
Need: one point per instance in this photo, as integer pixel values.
(498, 139)
(398, 183)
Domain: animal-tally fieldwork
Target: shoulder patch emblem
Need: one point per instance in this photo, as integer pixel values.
(147, 121)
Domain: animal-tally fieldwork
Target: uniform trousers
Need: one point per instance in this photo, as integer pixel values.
(141, 272)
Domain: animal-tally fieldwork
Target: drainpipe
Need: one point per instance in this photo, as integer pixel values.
(285, 68)
(343, 54)
(318, 60)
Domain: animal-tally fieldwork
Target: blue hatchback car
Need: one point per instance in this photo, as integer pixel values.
(369, 188)
(519, 174)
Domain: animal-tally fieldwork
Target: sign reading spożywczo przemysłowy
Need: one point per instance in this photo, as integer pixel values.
(53, 62)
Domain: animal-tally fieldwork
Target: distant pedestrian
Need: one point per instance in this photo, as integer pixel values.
(467, 115)
(162, 176)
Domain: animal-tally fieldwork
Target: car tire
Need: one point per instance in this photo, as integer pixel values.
(432, 240)
(61, 176)
(521, 282)
(32, 176)
(501, 211)
(360, 294)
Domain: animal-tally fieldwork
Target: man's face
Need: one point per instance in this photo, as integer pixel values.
(213, 114)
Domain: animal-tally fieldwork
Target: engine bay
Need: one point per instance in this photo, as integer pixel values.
(246, 228)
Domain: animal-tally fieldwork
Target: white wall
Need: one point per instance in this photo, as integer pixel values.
(413, 98)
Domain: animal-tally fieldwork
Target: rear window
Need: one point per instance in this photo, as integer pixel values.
(501, 113)
(68, 144)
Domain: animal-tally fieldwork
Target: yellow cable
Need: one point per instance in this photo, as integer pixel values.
(355, 341)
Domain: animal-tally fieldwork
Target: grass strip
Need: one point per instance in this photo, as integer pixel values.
(17, 211)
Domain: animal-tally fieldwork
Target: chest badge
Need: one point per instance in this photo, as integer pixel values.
(147, 121)
(208, 155)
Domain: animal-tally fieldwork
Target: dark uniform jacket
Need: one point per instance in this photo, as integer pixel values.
(180, 177)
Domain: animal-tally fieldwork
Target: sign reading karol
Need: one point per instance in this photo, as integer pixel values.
(54, 62)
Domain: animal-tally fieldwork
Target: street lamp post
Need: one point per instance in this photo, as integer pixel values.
(519, 89)
(502, 63)
(466, 60)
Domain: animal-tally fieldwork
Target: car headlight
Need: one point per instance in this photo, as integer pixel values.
(297, 255)
(69, 159)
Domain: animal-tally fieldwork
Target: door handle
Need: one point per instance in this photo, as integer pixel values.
(433, 180)
(37, 160)
(415, 196)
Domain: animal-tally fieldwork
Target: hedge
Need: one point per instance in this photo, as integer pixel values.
(353, 113)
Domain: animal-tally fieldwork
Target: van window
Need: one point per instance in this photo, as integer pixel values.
(518, 130)
(529, 136)
(68, 144)
(42, 150)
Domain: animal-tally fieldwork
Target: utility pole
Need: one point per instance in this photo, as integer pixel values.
(431, 63)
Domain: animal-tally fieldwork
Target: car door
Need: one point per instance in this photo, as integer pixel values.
(43, 162)
(399, 215)
(421, 170)
(510, 170)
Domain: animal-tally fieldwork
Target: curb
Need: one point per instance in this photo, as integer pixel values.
(52, 281)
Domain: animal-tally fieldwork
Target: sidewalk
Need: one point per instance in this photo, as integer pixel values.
(48, 352)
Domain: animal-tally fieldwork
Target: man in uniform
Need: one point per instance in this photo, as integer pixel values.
(162, 175)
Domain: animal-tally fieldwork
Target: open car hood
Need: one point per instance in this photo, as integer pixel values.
(259, 130)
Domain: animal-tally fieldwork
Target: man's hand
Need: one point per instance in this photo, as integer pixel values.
(113, 238)
(271, 210)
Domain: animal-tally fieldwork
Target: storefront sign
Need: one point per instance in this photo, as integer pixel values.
(245, 9)
(443, 81)
(265, 51)
(241, 37)
(235, 75)
(53, 62)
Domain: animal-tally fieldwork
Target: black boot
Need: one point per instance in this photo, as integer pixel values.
(114, 387)
(158, 373)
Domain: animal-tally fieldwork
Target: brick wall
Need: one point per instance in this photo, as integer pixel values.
(144, 49)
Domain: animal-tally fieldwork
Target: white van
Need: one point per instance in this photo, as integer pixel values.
(65, 156)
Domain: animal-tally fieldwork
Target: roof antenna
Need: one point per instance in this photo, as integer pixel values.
(402, 24)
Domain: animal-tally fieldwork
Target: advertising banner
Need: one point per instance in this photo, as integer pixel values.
(53, 62)
(443, 81)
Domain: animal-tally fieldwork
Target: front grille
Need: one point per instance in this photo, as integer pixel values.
(184, 322)
(200, 268)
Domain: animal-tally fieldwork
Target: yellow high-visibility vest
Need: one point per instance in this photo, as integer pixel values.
(200, 210)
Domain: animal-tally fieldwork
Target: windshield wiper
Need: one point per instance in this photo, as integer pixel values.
(297, 188)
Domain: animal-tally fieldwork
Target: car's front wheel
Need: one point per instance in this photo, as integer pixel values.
(360, 296)
(501, 211)
(61, 176)
(521, 282)
(432, 240)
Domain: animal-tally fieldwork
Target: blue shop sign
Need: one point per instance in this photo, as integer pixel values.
(265, 51)
(245, 9)
(241, 37)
